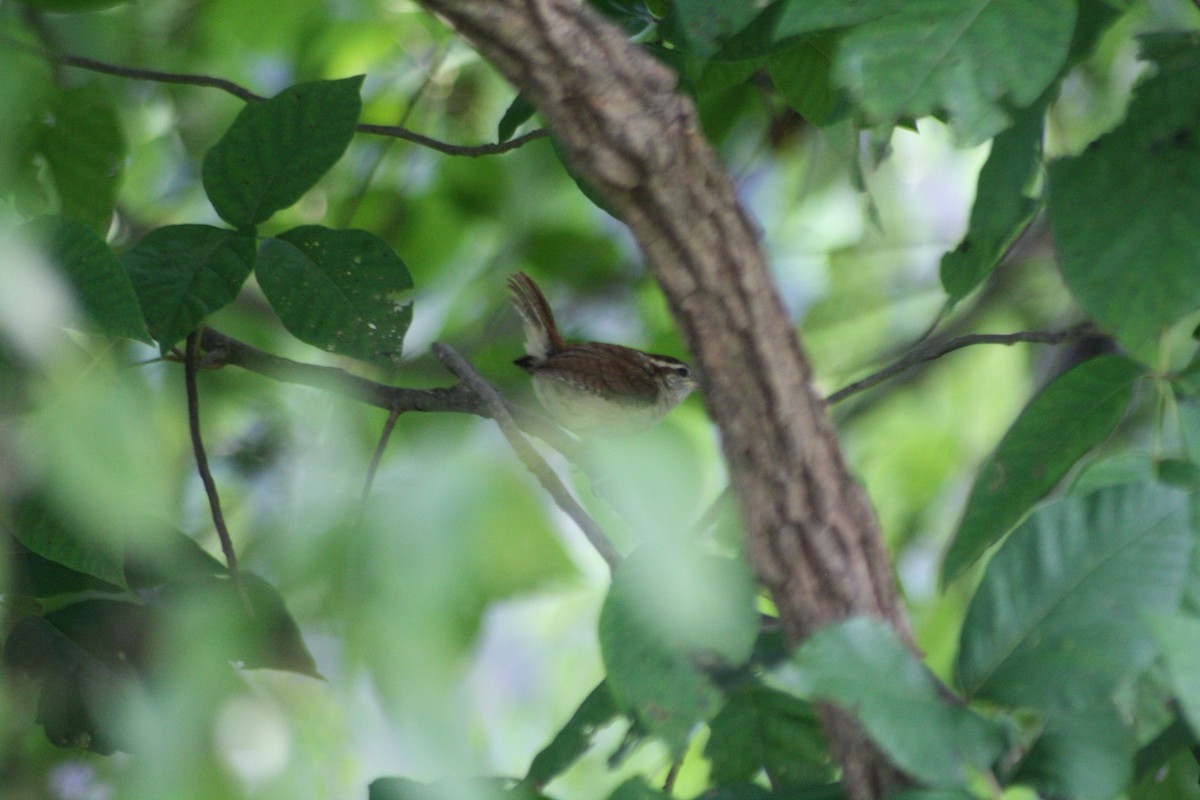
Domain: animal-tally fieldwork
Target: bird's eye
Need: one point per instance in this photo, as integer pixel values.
(683, 371)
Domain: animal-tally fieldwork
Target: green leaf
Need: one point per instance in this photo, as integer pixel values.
(765, 729)
(971, 59)
(806, 16)
(276, 150)
(1084, 756)
(517, 113)
(862, 666)
(38, 526)
(1123, 212)
(79, 696)
(706, 23)
(1130, 466)
(1073, 414)
(84, 146)
(183, 273)
(334, 289)
(670, 612)
(102, 286)
(596, 711)
(1056, 622)
(1002, 206)
(31, 575)
(631, 15)
(1179, 639)
(72, 6)
(802, 76)
(267, 639)
(636, 788)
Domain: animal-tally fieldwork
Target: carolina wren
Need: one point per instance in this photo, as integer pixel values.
(590, 387)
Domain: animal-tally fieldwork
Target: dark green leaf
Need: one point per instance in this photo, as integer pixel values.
(802, 76)
(806, 16)
(47, 534)
(1179, 639)
(636, 788)
(1085, 756)
(72, 6)
(268, 640)
(596, 711)
(183, 273)
(862, 665)
(102, 286)
(517, 113)
(84, 146)
(472, 788)
(114, 632)
(334, 289)
(933, 794)
(277, 150)
(78, 696)
(706, 23)
(971, 59)
(1073, 414)
(765, 729)
(1002, 206)
(1056, 622)
(1123, 211)
(32, 576)
(632, 15)
(669, 613)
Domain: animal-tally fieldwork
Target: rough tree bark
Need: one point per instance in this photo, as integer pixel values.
(812, 535)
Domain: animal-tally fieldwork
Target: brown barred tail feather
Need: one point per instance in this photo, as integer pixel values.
(541, 334)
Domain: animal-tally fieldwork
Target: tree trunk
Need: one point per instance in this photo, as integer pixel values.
(812, 535)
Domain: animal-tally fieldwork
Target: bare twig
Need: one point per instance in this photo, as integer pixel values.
(190, 365)
(242, 93)
(672, 774)
(498, 410)
(937, 349)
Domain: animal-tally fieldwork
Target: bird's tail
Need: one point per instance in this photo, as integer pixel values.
(541, 334)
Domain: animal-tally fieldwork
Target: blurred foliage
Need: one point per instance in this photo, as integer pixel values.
(452, 624)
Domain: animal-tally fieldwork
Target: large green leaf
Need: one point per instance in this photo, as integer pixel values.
(1179, 639)
(42, 529)
(334, 289)
(1085, 756)
(806, 16)
(1073, 414)
(1124, 211)
(183, 273)
(670, 613)
(1002, 206)
(862, 665)
(636, 788)
(972, 59)
(84, 146)
(802, 75)
(765, 729)
(276, 150)
(1056, 622)
(102, 286)
(706, 23)
(596, 711)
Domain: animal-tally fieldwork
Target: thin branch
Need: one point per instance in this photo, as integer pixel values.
(672, 774)
(222, 350)
(242, 93)
(190, 365)
(498, 410)
(935, 350)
